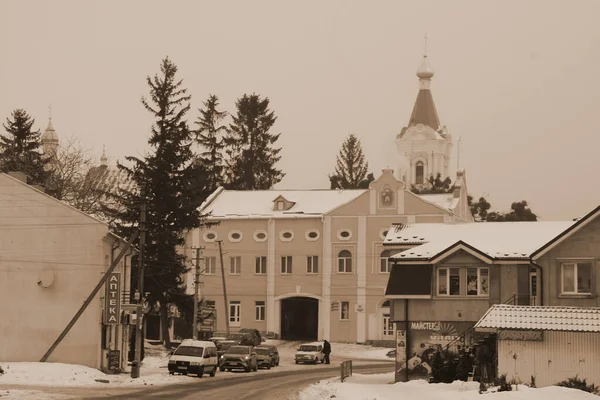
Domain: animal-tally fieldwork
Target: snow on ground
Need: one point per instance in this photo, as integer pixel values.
(18, 394)
(381, 387)
(154, 368)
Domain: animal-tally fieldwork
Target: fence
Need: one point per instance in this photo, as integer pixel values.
(345, 369)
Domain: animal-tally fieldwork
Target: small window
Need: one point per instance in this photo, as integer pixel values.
(383, 233)
(345, 311)
(260, 236)
(384, 262)
(235, 265)
(286, 236)
(209, 236)
(478, 281)
(448, 281)
(344, 234)
(210, 303)
(261, 265)
(235, 236)
(235, 311)
(419, 173)
(344, 261)
(210, 265)
(576, 278)
(312, 235)
(286, 264)
(260, 310)
(280, 205)
(312, 264)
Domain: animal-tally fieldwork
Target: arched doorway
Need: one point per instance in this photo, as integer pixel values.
(299, 318)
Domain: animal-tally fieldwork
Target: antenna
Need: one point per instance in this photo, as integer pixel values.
(425, 52)
(458, 154)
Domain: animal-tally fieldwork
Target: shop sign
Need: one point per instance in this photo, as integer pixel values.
(519, 335)
(112, 299)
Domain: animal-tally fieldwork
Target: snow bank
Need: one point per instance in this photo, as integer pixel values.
(379, 387)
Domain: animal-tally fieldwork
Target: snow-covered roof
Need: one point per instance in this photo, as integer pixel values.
(495, 239)
(259, 203)
(444, 200)
(549, 318)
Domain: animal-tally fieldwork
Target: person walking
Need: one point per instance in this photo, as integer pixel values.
(326, 350)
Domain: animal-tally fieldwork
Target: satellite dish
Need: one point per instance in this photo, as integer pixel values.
(45, 278)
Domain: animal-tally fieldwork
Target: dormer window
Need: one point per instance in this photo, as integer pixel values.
(282, 204)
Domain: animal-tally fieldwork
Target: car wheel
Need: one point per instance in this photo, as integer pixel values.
(247, 369)
(200, 372)
(222, 369)
(269, 366)
(171, 372)
(296, 362)
(213, 372)
(316, 360)
(277, 363)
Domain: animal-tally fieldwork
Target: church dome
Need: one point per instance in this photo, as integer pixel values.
(49, 134)
(425, 71)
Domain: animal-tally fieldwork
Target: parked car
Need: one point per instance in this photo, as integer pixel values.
(254, 334)
(194, 357)
(272, 351)
(310, 353)
(236, 357)
(242, 338)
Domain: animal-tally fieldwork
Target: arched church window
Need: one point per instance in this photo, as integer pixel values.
(419, 173)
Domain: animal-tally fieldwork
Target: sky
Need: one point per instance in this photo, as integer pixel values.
(518, 81)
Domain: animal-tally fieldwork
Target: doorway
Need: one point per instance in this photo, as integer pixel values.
(534, 298)
(300, 318)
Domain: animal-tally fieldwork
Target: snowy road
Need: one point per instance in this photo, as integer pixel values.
(274, 386)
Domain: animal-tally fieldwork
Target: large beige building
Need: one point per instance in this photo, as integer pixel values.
(310, 264)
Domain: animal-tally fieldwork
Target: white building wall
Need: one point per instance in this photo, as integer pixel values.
(561, 355)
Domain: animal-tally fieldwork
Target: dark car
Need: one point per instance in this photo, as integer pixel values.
(254, 334)
(243, 357)
(271, 351)
(241, 338)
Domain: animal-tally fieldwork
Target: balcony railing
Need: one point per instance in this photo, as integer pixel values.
(521, 300)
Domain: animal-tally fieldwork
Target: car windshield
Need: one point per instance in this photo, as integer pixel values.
(264, 352)
(189, 351)
(308, 348)
(236, 336)
(238, 350)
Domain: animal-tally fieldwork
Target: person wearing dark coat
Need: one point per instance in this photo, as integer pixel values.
(326, 350)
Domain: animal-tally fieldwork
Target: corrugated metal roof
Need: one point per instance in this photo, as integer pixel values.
(496, 239)
(550, 318)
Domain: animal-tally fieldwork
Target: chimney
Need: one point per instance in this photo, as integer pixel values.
(18, 175)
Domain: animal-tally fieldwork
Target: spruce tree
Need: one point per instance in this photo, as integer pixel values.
(351, 167)
(250, 146)
(20, 148)
(209, 135)
(171, 186)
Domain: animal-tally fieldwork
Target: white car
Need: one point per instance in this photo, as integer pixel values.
(310, 353)
(194, 357)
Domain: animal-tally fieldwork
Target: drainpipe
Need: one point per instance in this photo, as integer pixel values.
(541, 283)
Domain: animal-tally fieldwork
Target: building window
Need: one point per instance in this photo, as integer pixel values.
(344, 261)
(210, 265)
(211, 304)
(388, 325)
(345, 311)
(286, 264)
(384, 262)
(383, 233)
(419, 173)
(576, 278)
(260, 236)
(312, 264)
(209, 236)
(235, 311)
(261, 265)
(235, 265)
(286, 236)
(235, 236)
(344, 234)
(448, 281)
(478, 281)
(260, 311)
(280, 205)
(312, 235)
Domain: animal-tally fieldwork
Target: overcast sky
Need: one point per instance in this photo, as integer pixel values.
(518, 80)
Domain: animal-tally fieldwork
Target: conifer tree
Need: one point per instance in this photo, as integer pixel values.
(210, 136)
(20, 148)
(250, 146)
(351, 167)
(172, 187)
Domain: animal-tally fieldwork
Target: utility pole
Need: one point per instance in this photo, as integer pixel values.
(196, 293)
(224, 289)
(136, 365)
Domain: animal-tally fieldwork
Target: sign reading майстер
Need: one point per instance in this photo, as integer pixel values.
(112, 299)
